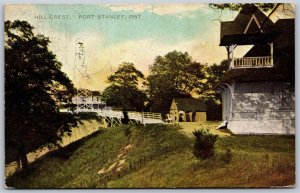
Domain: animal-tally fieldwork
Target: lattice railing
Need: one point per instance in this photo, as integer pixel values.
(248, 62)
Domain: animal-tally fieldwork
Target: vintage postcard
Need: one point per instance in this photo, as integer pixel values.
(171, 95)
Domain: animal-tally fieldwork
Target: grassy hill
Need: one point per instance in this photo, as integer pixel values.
(161, 156)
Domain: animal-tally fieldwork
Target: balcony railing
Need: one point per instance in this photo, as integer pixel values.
(253, 62)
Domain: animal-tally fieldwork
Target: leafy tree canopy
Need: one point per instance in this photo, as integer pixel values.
(238, 6)
(173, 75)
(215, 73)
(212, 98)
(123, 91)
(34, 84)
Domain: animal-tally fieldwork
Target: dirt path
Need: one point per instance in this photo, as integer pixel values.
(118, 165)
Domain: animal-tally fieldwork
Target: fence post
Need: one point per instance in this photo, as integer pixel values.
(143, 118)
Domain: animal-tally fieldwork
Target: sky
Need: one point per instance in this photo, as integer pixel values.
(114, 33)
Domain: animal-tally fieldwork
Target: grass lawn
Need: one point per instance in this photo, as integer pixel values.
(161, 156)
(189, 127)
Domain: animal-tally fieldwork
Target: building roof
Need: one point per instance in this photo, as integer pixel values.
(257, 75)
(95, 93)
(247, 28)
(190, 104)
(281, 33)
(284, 58)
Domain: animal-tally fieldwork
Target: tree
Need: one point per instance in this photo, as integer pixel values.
(173, 75)
(213, 99)
(238, 6)
(33, 83)
(123, 91)
(215, 73)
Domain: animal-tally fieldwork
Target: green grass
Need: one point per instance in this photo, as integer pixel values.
(162, 157)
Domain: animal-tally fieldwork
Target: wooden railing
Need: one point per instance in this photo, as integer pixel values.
(250, 62)
(150, 115)
(131, 114)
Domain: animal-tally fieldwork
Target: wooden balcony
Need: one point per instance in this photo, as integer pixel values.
(252, 62)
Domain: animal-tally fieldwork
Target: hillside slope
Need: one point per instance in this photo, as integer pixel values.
(161, 156)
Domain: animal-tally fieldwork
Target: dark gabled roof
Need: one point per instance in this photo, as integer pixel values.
(232, 32)
(95, 93)
(189, 104)
(284, 47)
(230, 28)
(284, 58)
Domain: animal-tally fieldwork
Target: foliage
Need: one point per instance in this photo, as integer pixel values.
(33, 86)
(213, 107)
(204, 144)
(123, 91)
(172, 76)
(149, 142)
(238, 6)
(248, 8)
(213, 99)
(176, 75)
(215, 73)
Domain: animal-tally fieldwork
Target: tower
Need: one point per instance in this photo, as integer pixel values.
(83, 99)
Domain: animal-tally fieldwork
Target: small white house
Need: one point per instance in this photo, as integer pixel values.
(85, 100)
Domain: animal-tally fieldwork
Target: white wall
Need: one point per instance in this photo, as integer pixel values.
(226, 103)
(174, 112)
(261, 108)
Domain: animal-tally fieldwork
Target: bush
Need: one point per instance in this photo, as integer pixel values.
(127, 132)
(204, 144)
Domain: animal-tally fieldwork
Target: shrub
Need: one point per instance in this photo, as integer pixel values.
(127, 132)
(204, 144)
